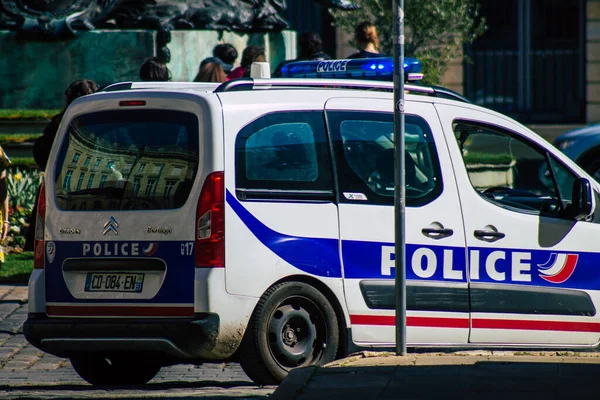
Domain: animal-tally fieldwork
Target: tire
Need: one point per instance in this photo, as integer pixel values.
(123, 369)
(293, 326)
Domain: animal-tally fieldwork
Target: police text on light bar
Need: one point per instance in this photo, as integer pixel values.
(364, 68)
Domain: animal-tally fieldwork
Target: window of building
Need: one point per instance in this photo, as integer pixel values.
(80, 181)
(86, 163)
(67, 181)
(103, 180)
(75, 158)
(136, 185)
(97, 163)
(157, 168)
(169, 186)
(150, 187)
(90, 181)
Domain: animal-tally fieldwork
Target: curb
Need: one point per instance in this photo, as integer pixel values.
(294, 383)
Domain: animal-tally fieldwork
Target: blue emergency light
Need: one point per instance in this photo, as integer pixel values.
(381, 69)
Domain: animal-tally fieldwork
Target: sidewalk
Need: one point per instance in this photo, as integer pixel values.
(482, 375)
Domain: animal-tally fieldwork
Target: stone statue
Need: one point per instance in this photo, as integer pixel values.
(59, 19)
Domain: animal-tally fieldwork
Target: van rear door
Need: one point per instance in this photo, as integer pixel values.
(121, 204)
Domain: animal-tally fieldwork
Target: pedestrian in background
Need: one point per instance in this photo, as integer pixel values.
(367, 41)
(154, 70)
(4, 164)
(41, 147)
(226, 53)
(43, 144)
(249, 55)
(310, 47)
(211, 70)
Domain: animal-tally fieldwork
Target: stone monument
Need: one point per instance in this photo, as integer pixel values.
(46, 44)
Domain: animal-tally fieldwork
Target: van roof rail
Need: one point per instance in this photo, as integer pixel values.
(247, 84)
(113, 87)
(244, 84)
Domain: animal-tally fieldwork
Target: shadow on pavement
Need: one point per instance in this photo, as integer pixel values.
(480, 380)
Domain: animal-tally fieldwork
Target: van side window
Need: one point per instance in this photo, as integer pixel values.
(284, 151)
(364, 154)
(512, 172)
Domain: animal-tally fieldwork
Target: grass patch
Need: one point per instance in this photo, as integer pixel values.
(12, 114)
(10, 138)
(17, 267)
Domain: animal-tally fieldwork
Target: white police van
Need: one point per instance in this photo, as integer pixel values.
(190, 223)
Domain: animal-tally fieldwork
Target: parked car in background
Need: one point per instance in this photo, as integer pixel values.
(583, 146)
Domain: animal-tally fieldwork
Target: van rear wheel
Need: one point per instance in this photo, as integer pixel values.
(122, 369)
(293, 325)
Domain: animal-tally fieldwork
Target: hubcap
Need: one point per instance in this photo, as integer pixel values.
(296, 333)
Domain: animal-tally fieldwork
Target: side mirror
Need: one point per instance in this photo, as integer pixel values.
(582, 205)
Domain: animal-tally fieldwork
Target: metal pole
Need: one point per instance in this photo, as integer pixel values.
(399, 245)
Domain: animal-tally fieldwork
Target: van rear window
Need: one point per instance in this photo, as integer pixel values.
(127, 160)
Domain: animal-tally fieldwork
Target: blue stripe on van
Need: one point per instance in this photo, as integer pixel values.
(317, 256)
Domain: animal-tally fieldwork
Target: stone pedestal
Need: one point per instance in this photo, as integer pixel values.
(35, 74)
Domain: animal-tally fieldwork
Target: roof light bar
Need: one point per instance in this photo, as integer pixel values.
(359, 68)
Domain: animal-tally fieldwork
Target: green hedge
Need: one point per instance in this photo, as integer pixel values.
(9, 138)
(12, 114)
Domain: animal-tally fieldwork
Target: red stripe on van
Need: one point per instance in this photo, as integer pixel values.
(536, 325)
(127, 311)
(478, 323)
(390, 320)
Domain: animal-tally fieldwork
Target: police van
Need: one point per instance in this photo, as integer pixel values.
(254, 220)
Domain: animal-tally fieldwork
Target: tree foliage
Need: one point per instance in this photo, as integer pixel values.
(435, 30)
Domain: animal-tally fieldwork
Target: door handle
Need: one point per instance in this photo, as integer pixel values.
(488, 236)
(437, 233)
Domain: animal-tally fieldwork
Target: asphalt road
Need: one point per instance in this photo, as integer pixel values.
(27, 372)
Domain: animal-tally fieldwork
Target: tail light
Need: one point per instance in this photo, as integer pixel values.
(210, 223)
(38, 258)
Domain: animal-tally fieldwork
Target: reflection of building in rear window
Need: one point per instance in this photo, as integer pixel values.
(67, 181)
(169, 186)
(103, 179)
(90, 181)
(129, 147)
(150, 187)
(75, 158)
(136, 185)
(86, 163)
(282, 152)
(80, 181)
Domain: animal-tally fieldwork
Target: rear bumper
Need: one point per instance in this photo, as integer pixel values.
(179, 338)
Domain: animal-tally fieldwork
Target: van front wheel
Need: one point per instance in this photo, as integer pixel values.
(125, 369)
(293, 325)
